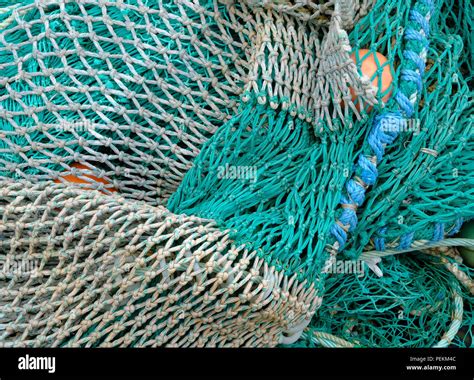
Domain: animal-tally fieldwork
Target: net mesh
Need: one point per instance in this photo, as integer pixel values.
(89, 270)
(422, 195)
(425, 189)
(273, 153)
(131, 88)
(418, 303)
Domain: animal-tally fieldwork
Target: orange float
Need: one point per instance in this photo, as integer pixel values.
(73, 179)
(369, 67)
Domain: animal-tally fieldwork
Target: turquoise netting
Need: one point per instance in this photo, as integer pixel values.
(242, 117)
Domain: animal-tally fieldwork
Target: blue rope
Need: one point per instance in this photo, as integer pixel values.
(414, 76)
(406, 240)
(380, 241)
(385, 130)
(457, 227)
(438, 232)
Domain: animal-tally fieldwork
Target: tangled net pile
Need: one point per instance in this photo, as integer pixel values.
(164, 101)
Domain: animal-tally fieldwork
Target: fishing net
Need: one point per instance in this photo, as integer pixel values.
(103, 271)
(423, 193)
(130, 88)
(434, 157)
(273, 154)
(418, 303)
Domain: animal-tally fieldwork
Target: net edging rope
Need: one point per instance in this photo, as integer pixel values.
(378, 138)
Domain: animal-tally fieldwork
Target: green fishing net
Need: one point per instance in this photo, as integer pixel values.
(423, 193)
(434, 157)
(274, 156)
(418, 303)
(431, 201)
(131, 88)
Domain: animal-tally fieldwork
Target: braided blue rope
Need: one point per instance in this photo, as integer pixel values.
(407, 240)
(457, 227)
(380, 241)
(385, 130)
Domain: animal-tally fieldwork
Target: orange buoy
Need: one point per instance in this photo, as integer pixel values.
(369, 67)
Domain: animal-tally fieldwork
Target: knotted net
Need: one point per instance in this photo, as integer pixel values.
(243, 115)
